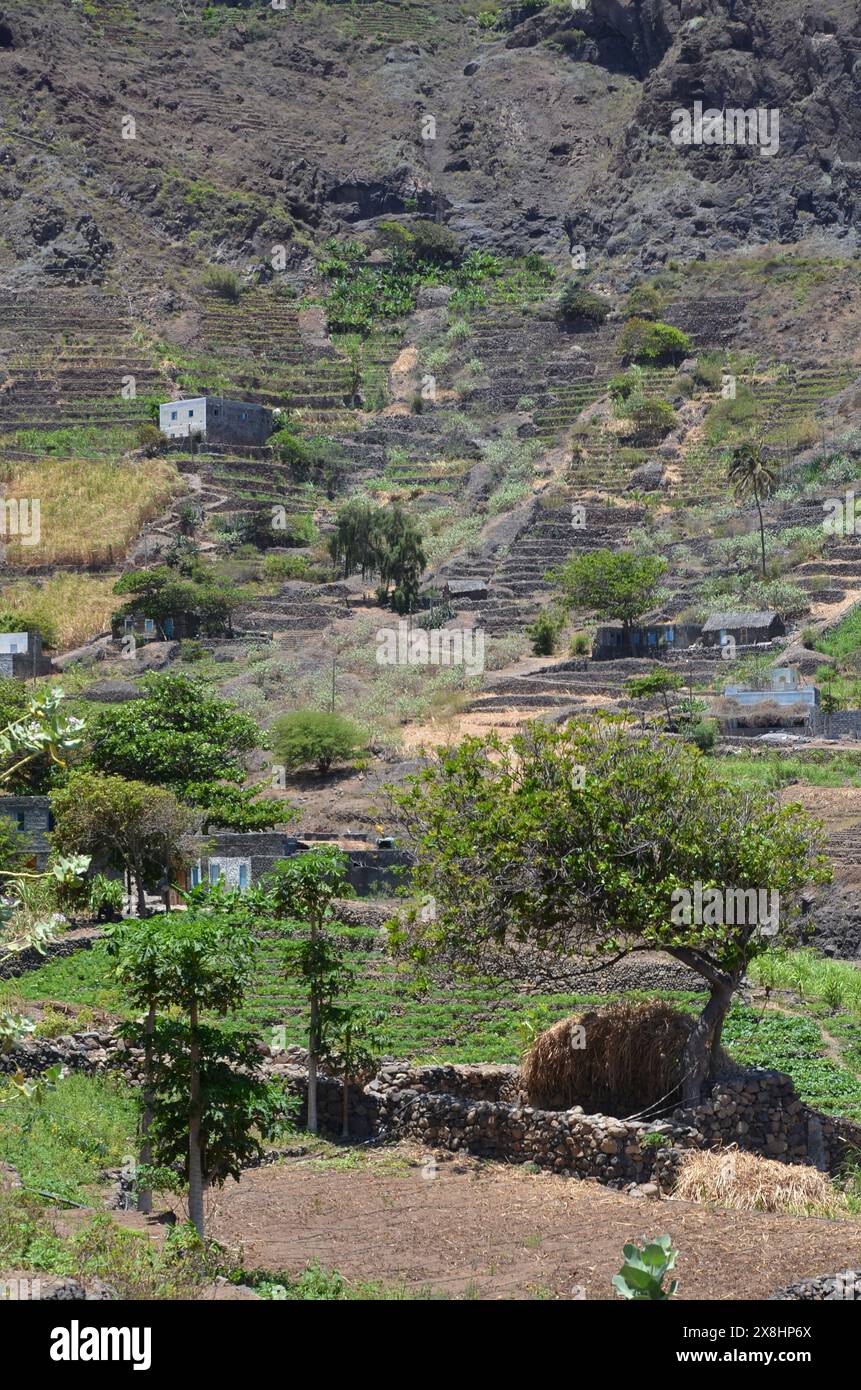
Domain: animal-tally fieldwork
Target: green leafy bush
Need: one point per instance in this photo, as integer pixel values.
(315, 738)
(647, 340)
(652, 419)
(645, 302)
(579, 305)
(223, 282)
(422, 241)
(543, 633)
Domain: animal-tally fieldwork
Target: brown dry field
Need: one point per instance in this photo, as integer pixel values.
(491, 1231)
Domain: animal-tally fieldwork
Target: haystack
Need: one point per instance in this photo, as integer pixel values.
(747, 1182)
(626, 1058)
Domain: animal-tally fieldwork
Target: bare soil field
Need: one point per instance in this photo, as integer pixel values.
(488, 1231)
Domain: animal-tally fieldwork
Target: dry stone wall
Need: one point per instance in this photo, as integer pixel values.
(481, 1110)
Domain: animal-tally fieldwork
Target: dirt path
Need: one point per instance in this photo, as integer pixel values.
(489, 1231)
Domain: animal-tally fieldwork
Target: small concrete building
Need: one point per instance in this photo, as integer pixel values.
(459, 590)
(31, 815)
(243, 858)
(218, 420)
(745, 629)
(21, 655)
(613, 642)
(145, 629)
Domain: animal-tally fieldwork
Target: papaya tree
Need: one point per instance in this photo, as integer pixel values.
(595, 841)
(299, 896)
(208, 1109)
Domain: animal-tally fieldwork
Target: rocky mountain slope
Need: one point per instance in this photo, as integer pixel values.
(254, 127)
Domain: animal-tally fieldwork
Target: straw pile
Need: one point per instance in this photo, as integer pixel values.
(747, 1182)
(627, 1057)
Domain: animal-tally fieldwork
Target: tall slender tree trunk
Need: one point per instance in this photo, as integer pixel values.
(701, 1048)
(145, 1193)
(140, 892)
(312, 1061)
(195, 1165)
(761, 526)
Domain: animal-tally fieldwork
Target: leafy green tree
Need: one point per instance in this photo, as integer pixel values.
(402, 557)
(751, 476)
(357, 538)
(129, 825)
(180, 737)
(659, 683)
(40, 731)
(206, 603)
(380, 541)
(238, 808)
(207, 1109)
(315, 738)
(580, 840)
(616, 584)
(299, 895)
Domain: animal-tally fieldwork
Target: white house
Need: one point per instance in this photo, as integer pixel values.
(220, 420)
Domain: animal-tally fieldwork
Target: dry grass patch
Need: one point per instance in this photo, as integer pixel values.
(748, 1182)
(617, 1059)
(71, 608)
(91, 509)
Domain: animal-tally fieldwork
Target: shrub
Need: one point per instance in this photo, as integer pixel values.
(543, 633)
(286, 567)
(151, 440)
(291, 449)
(579, 305)
(704, 734)
(223, 282)
(580, 644)
(315, 738)
(646, 340)
(652, 420)
(626, 385)
(423, 240)
(645, 302)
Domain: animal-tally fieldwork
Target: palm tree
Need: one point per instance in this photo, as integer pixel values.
(751, 476)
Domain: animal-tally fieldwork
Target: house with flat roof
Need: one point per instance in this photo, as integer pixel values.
(21, 655)
(216, 419)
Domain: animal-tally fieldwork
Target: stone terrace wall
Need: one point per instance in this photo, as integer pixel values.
(455, 1108)
(480, 1110)
(23, 961)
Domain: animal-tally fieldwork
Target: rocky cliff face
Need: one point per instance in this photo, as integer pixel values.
(798, 60)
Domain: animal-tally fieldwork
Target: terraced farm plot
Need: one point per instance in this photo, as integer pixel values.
(91, 510)
(482, 1020)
